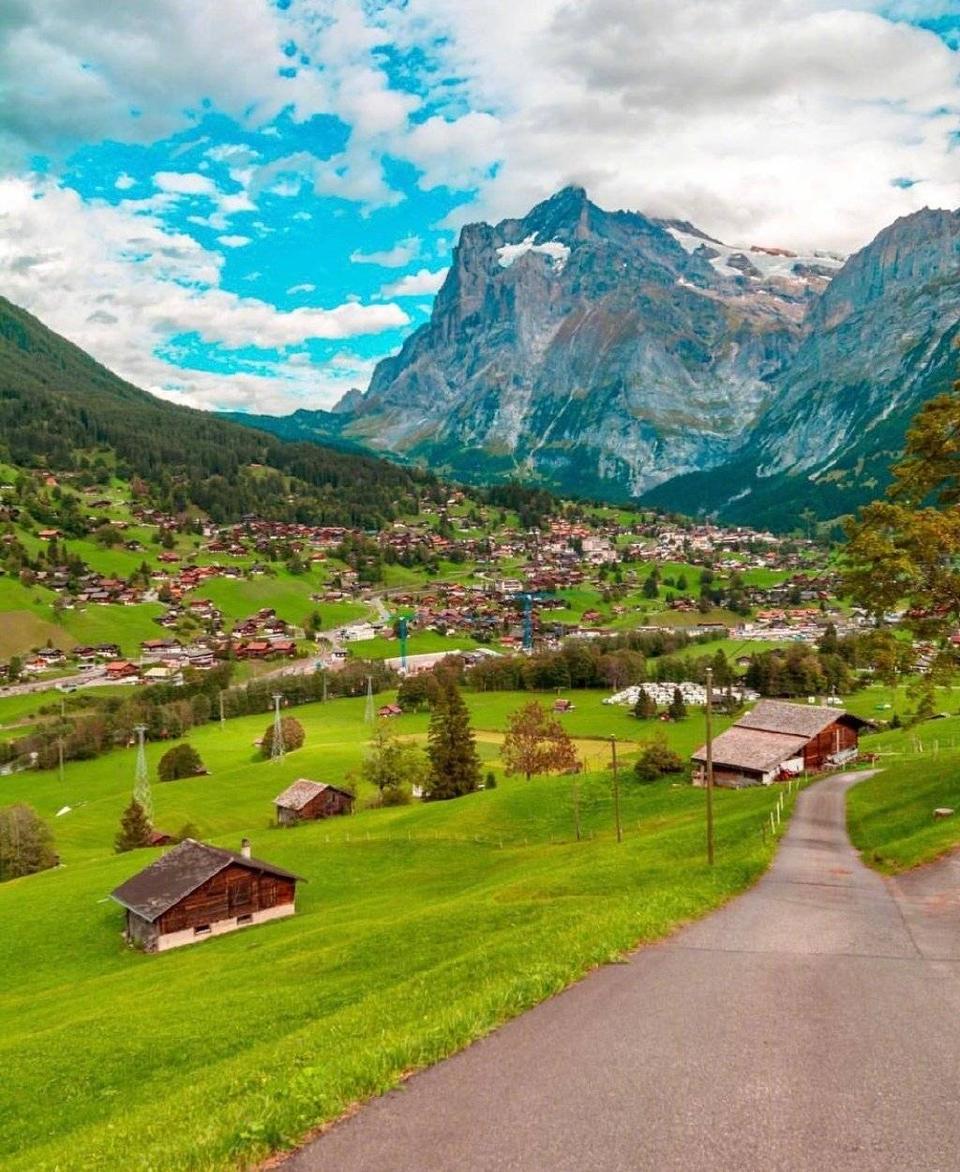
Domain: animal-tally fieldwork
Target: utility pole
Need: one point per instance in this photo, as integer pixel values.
(222, 717)
(616, 790)
(60, 758)
(709, 714)
(368, 713)
(277, 747)
(576, 809)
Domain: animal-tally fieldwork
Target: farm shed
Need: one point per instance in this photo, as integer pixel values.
(197, 890)
(777, 739)
(307, 800)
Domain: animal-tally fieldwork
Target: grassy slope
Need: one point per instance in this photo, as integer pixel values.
(420, 929)
(890, 815)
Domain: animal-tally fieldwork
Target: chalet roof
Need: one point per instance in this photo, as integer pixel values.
(173, 876)
(754, 749)
(803, 720)
(302, 791)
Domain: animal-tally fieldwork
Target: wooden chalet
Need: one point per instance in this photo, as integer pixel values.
(778, 739)
(197, 890)
(306, 800)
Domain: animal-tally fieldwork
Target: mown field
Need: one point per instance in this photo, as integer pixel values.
(418, 929)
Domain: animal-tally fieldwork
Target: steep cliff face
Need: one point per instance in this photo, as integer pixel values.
(881, 340)
(610, 354)
(602, 351)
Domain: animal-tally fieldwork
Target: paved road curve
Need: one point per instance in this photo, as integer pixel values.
(814, 1023)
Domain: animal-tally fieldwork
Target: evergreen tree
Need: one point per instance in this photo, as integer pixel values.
(677, 709)
(134, 829)
(645, 707)
(454, 764)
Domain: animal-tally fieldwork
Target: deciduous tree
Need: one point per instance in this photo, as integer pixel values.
(536, 743)
(26, 844)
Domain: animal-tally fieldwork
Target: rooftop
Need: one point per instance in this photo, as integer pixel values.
(173, 876)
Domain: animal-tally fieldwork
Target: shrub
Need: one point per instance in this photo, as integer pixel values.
(293, 736)
(657, 758)
(181, 761)
(490, 782)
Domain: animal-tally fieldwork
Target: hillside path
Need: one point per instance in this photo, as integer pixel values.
(812, 1023)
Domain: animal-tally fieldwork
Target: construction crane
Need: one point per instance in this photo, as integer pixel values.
(402, 632)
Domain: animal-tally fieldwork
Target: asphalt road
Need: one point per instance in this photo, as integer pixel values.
(813, 1023)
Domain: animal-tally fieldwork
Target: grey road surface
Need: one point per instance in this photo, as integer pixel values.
(813, 1023)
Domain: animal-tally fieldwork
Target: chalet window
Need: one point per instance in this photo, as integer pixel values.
(247, 919)
(202, 930)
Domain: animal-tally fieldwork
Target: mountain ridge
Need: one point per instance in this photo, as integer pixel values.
(641, 358)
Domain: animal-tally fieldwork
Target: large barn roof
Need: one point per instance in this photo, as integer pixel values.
(752, 749)
(173, 877)
(802, 720)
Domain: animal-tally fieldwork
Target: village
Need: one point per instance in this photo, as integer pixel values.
(474, 578)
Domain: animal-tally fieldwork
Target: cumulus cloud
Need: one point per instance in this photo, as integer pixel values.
(184, 183)
(415, 284)
(233, 241)
(306, 287)
(69, 262)
(402, 253)
(780, 121)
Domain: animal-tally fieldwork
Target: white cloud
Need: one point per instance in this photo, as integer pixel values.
(415, 284)
(781, 122)
(233, 241)
(184, 183)
(124, 182)
(402, 253)
(120, 284)
(81, 70)
(304, 288)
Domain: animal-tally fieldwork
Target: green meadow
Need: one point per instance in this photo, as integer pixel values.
(890, 815)
(419, 929)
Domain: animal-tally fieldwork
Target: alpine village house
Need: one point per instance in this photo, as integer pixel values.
(307, 800)
(777, 739)
(197, 890)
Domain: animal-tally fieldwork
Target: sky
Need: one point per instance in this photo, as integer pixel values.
(243, 204)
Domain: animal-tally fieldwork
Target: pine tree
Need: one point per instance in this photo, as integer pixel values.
(134, 829)
(645, 707)
(454, 764)
(677, 709)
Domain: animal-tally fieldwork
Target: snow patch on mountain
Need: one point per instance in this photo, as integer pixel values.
(755, 261)
(555, 249)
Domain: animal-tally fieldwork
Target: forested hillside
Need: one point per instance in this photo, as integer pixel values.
(62, 410)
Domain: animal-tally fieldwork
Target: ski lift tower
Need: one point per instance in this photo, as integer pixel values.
(141, 781)
(277, 747)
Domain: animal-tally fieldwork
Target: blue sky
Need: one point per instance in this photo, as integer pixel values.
(244, 205)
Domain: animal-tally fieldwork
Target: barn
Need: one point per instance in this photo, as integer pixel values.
(197, 890)
(779, 739)
(307, 800)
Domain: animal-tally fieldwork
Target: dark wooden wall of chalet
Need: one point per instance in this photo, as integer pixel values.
(235, 891)
(326, 805)
(837, 736)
